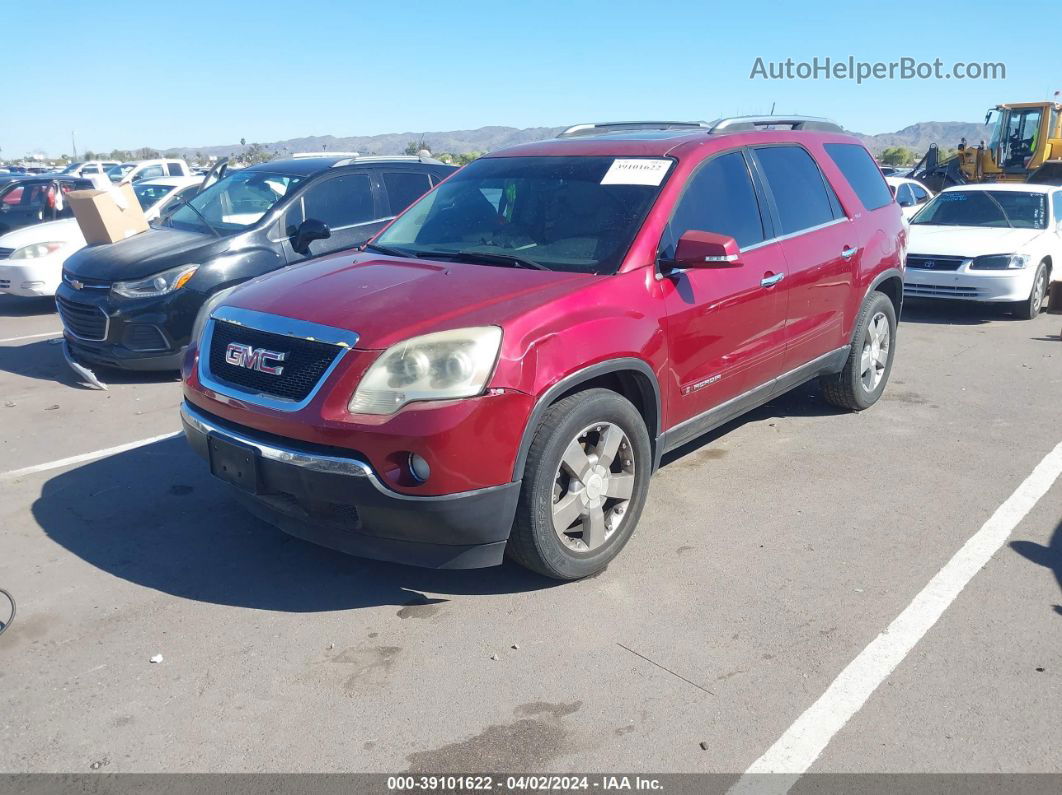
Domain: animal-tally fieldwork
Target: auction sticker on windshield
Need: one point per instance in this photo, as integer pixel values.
(636, 171)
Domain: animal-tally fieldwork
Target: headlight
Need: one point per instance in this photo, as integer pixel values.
(440, 366)
(34, 250)
(159, 284)
(999, 262)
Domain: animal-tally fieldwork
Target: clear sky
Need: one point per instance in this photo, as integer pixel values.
(131, 73)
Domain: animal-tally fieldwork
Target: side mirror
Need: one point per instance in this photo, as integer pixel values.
(309, 230)
(905, 202)
(698, 249)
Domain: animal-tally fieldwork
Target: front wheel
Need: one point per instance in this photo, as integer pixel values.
(585, 482)
(866, 371)
(1030, 308)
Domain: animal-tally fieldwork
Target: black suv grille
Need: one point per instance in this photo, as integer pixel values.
(86, 321)
(304, 364)
(930, 263)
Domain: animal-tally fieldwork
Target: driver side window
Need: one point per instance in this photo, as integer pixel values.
(340, 202)
(720, 198)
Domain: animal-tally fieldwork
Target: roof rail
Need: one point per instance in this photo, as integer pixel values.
(622, 126)
(349, 161)
(322, 153)
(746, 123)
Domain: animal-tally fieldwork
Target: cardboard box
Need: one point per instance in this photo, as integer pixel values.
(107, 216)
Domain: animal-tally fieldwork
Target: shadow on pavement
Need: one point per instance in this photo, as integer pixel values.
(42, 360)
(154, 516)
(1049, 556)
(17, 306)
(804, 401)
(951, 313)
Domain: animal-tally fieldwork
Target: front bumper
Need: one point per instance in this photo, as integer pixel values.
(31, 278)
(969, 285)
(338, 501)
(140, 334)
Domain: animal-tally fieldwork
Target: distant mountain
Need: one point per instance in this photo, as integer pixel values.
(946, 134)
(485, 139)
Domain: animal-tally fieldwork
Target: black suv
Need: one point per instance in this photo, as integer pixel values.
(133, 304)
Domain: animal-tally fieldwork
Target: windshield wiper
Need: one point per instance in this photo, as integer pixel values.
(390, 252)
(485, 258)
(1000, 206)
(185, 203)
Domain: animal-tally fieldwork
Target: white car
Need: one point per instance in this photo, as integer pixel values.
(31, 258)
(89, 168)
(990, 242)
(149, 169)
(910, 194)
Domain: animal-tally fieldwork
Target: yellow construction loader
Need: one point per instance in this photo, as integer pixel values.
(1025, 146)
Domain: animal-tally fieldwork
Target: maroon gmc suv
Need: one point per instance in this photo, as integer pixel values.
(500, 370)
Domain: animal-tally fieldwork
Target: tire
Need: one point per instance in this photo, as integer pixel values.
(1030, 307)
(855, 388)
(586, 425)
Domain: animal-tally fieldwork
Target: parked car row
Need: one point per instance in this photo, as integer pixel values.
(31, 258)
(410, 362)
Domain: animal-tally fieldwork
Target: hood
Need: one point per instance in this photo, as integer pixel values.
(386, 300)
(968, 241)
(64, 230)
(144, 254)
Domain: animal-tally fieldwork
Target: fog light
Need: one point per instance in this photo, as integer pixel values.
(419, 468)
(31, 285)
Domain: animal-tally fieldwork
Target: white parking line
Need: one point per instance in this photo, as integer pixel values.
(34, 336)
(84, 457)
(798, 748)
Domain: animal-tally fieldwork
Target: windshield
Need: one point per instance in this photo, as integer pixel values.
(117, 172)
(149, 195)
(235, 203)
(986, 208)
(71, 168)
(576, 214)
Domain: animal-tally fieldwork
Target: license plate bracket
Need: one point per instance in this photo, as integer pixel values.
(234, 463)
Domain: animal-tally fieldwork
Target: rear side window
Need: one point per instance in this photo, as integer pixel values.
(404, 188)
(150, 172)
(801, 194)
(1058, 207)
(340, 201)
(718, 198)
(862, 174)
(176, 169)
(920, 193)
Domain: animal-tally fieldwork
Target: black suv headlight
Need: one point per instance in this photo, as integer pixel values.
(159, 284)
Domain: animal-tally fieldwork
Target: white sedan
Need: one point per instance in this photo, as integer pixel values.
(31, 258)
(989, 242)
(910, 194)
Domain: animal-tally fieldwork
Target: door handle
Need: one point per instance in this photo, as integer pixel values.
(848, 253)
(771, 281)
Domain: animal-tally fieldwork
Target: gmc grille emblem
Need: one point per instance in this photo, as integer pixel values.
(260, 359)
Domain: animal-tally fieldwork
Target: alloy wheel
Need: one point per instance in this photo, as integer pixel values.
(875, 356)
(1039, 290)
(593, 486)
